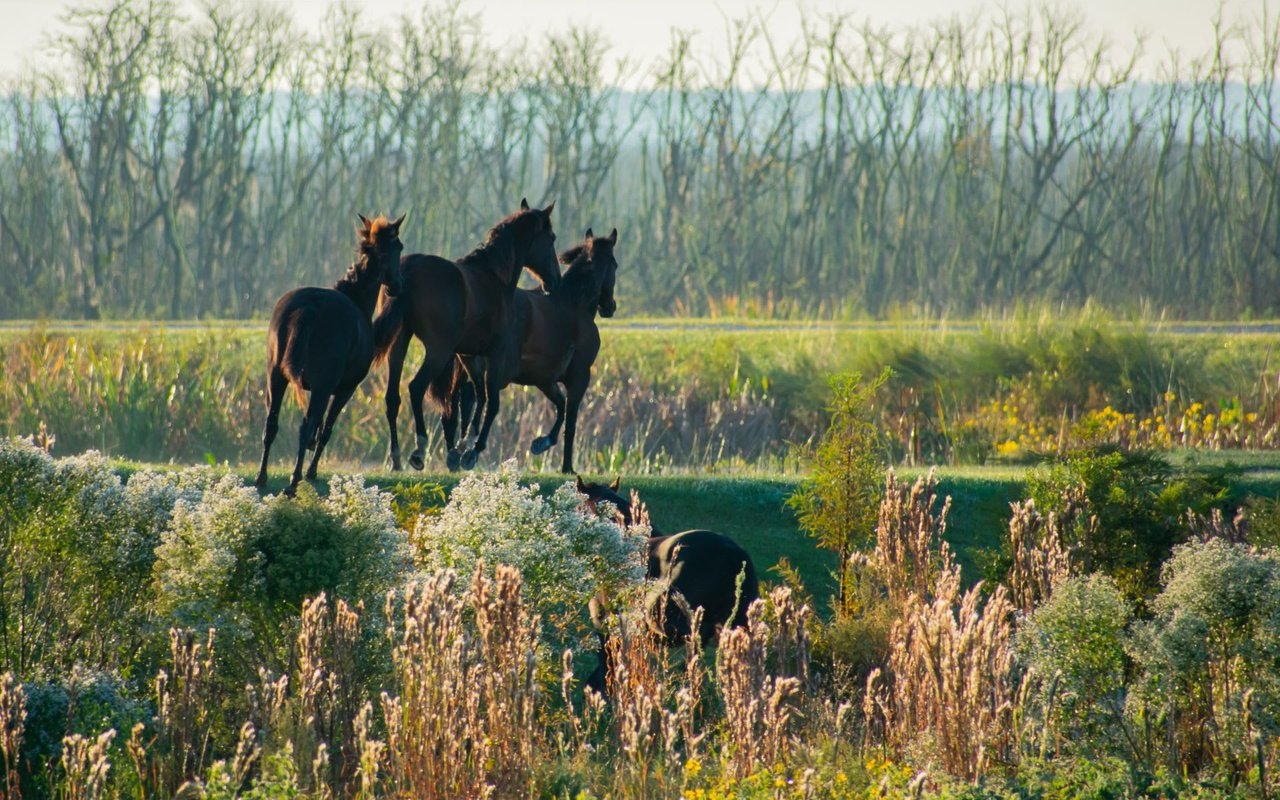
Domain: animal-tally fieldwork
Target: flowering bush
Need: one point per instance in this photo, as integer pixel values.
(1211, 654)
(244, 565)
(77, 544)
(565, 551)
(1074, 645)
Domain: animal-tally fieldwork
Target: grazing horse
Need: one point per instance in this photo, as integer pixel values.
(322, 341)
(702, 567)
(463, 306)
(558, 343)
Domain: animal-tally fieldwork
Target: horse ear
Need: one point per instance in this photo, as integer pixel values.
(617, 484)
(396, 224)
(524, 204)
(550, 206)
(590, 235)
(365, 223)
(613, 236)
(582, 487)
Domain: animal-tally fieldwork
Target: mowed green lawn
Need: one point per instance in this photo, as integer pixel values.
(753, 509)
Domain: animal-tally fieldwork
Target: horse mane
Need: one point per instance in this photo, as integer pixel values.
(499, 242)
(364, 251)
(578, 284)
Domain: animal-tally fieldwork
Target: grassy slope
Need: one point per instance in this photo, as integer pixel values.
(753, 511)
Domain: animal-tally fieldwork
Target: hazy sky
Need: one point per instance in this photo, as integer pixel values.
(641, 28)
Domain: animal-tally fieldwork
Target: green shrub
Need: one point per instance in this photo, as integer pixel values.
(565, 550)
(837, 503)
(77, 546)
(244, 565)
(1211, 655)
(1138, 502)
(85, 702)
(1074, 644)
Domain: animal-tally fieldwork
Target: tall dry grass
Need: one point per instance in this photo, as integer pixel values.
(465, 712)
(1041, 556)
(948, 694)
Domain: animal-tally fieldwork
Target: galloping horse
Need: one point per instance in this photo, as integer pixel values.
(321, 340)
(462, 306)
(703, 567)
(559, 342)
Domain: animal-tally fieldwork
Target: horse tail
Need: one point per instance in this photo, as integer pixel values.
(294, 361)
(386, 325)
(440, 392)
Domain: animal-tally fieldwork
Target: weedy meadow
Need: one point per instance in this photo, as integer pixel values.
(176, 634)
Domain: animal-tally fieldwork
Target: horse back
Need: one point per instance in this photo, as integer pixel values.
(704, 567)
(318, 336)
(435, 295)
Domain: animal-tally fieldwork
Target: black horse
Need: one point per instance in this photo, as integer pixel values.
(322, 341)
(462, 306)
(557, 344)
(707, 570)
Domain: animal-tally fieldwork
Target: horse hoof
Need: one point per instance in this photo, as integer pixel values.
(394, 460)
(470, 458)
(291, 490)
(453, 461)
(541, 445)
(261, 482)
(416, 461)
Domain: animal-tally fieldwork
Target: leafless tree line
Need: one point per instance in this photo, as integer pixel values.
(193, 167)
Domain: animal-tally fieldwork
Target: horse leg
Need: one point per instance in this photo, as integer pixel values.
(431, 368)
(276, 384)
(310, 425)
(395, 366)
(461, 403)
(470, 410)
(577, 389)
(335, 408)
(491, 390)
(547, 441)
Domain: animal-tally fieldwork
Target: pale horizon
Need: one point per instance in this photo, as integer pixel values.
(641, 32)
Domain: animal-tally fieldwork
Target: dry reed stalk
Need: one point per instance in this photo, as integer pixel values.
(758, 705)
(638, 689)
(328, 691)
(1041, 559)
(183, 703)
(433, 726)
(1217, 526)
(85, 766)
(463, 724)
(508, 641)
(13, 719)
(372, 755)
(951, 686)
(910, 551)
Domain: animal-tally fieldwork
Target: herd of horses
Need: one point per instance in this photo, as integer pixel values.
(482, 333)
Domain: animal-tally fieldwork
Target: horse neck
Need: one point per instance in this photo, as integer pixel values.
(577, 291)
(498, 259)
(362, 290)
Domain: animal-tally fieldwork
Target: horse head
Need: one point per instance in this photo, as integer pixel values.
(605, 266)
(380, 248)
(540, 238)
(596, 493)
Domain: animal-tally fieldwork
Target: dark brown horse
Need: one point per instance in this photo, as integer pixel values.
(322, 341)
(462, 306)
(707, 570)
(558, 343)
